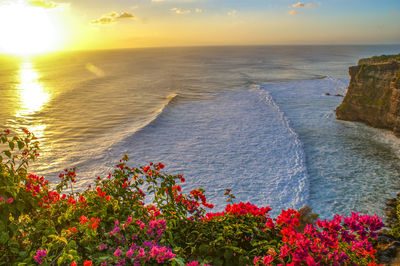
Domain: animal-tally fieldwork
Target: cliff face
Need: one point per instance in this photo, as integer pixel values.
(373, 96)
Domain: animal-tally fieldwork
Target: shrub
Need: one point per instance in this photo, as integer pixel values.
(140, 215)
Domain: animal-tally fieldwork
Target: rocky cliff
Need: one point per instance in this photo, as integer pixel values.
(373, 96)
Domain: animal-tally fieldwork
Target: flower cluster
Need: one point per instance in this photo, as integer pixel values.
(241, 209)
(9, 200)
(334, 242)
(141, 215)
(40, 254)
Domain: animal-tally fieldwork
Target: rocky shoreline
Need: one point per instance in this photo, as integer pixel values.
(373, 96)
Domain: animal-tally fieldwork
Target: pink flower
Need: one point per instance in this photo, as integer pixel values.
(141, 253)
(40, 254)
(283, 252)
(117, 252)
(10, 200)
(256, 259)
(129, 253)
(1, 198)
(270, 223)
(267, 259)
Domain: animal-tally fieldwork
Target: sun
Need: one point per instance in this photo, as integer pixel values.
(27, 30)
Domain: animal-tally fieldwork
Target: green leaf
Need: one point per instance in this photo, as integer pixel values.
(228, 254)
(8, 154)
(243, 260)
(11, 144)
(178, 261)
(3, 238)
(204, 248)
(21, 144)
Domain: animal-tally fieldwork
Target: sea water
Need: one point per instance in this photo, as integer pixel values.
(252, 119)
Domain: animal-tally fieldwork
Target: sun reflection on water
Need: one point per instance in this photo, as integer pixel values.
(32, 96)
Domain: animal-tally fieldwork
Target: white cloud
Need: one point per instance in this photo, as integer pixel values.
(233, 13)
(301, 4)
(180, 11)
(298, 4)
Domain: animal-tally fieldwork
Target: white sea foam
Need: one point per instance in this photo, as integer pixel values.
(239, 140)
(351, 166)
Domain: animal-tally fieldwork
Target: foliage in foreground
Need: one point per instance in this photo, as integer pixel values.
(109, 223)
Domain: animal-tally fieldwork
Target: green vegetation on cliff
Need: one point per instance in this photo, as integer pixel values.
(379, 59)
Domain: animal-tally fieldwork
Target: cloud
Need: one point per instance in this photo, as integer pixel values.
(301, 4)
(198, 10)
(293, 12)
(43, 3)
(126, 15)
(233, 13)
(298, 4)
(180, 11)
(394, 12)
(113, 17)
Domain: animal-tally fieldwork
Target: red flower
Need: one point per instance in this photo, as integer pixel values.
(267, 259)
(84, 219)
(87, 263)
(95, 223)
(73, 263)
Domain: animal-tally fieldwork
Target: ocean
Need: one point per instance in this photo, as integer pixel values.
(254, 119)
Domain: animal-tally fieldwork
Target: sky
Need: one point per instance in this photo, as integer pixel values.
(110, 24)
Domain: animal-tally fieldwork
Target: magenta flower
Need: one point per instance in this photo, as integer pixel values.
(256, 259)
(10, 200)
(129, 253)
(141, 253)
(102, 246)
(117, 252)
(40, 254)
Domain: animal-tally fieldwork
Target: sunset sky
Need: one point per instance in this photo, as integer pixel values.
(109, 24)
